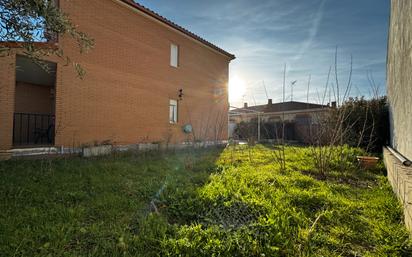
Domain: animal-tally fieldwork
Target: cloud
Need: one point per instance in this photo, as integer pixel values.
(266, 34)
(312, 31)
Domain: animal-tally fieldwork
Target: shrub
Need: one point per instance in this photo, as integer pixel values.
(367, 123)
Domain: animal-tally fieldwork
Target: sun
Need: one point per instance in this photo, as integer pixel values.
(237, 88)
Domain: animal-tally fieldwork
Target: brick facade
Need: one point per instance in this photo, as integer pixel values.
(33, 98)
(7, 88)
(125, 95)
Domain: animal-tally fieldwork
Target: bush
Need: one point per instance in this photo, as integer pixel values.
(367, 123)
(246, 130)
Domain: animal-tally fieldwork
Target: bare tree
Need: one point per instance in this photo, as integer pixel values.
(339, 125)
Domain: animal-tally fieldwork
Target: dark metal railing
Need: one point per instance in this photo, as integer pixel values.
(33, 129)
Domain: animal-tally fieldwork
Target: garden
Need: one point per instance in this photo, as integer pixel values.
(236, 201)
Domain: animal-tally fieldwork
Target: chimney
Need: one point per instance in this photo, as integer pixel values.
(245, 105)
(334, 104)
(269, 101)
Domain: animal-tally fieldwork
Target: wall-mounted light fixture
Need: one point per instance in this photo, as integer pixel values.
(181, 94)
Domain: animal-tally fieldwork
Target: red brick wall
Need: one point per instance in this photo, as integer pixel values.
(125, 94)
(7, 87)
(31, 98)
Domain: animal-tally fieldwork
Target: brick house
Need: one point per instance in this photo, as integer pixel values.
(147, 79)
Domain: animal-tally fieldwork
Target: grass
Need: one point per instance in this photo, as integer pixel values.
(232, 202)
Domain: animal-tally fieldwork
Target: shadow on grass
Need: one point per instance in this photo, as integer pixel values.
(207, 203)
(353, 176)
(88, 206)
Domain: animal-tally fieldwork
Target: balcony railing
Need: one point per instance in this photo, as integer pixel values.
(33, 129)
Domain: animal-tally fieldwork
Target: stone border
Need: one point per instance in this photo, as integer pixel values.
(100, 150)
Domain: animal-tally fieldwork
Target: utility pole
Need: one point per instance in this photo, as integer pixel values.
(258, 118)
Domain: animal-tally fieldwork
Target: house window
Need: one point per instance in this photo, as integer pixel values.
(174, 55)
(173, 111)
(218, 91)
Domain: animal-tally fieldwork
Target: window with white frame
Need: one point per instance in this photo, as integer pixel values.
(172, 111)
(174, 55)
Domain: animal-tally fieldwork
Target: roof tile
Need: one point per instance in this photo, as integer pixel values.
(176, 26)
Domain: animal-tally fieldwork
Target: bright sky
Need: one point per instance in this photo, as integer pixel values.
(303, 34)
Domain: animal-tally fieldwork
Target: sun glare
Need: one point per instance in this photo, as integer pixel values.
(237, 88)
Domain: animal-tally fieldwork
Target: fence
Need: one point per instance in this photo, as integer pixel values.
(33, 129)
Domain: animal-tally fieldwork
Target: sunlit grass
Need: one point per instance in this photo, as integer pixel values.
(234, 202)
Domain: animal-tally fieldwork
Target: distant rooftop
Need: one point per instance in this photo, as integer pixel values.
(278, 107)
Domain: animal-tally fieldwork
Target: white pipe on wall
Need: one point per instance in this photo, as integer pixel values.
(402, 159)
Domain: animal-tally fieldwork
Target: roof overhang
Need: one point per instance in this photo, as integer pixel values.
(146, 11)
(18, 44)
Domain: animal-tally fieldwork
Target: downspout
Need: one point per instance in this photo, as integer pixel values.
(398, 156)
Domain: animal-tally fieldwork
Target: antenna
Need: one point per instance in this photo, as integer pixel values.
(253, 97)
(243, 98)
(292, 84)
(307, 93)
(266, 92)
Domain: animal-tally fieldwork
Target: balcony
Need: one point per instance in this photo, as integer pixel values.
(34, 105)
(32, 129)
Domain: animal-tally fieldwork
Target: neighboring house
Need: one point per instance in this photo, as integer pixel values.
(298, 118)
(146, 79)
(399, 88)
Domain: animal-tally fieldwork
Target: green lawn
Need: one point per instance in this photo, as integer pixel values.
(231, 202)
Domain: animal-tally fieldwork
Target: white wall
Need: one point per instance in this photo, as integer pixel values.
(399, 76)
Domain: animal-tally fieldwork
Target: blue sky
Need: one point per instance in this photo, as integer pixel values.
(303, 34)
